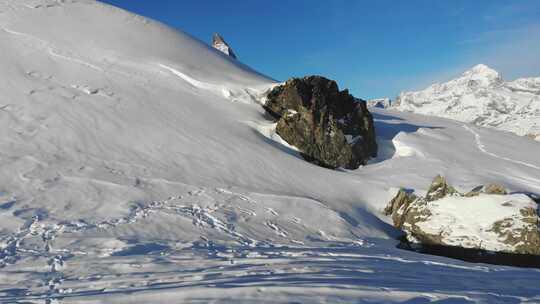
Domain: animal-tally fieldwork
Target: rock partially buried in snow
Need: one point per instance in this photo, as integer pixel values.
(488, 189)
(221, 45)
(330, 127)
(439, 188)
(485, 219)
(398, 205)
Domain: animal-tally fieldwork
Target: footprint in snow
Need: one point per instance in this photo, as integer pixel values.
(272, 211)
(86, 89)
(279, 231)
(196, 192)
(295, 220)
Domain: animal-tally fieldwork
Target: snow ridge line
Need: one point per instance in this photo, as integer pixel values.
(482, 148)
(54, 53)
(192, 81)
(234, 94)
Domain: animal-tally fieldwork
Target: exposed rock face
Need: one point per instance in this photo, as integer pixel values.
(219, 44)
(382, 103)
(488, 189)
(327, 125)
(485, 219)
(438, 189)
(398, 205)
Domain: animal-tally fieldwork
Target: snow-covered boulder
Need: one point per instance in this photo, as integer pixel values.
(481, 96)
(330, 127)
(488, 220)
(221, 45)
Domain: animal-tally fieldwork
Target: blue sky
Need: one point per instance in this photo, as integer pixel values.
(374, 48)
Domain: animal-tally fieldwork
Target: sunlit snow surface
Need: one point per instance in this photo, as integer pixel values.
(137, 166)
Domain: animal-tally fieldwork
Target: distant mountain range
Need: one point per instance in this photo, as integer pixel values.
(479, 96)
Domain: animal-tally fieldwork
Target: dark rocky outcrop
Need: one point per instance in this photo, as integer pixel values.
(485, 222)
(399, 203)
(535, 197)
(328, 126)
(221, 45)
(488, 189)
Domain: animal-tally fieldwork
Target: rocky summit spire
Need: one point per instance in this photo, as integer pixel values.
(219, 44)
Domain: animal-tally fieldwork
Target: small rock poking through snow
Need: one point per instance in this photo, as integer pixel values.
(221, 45)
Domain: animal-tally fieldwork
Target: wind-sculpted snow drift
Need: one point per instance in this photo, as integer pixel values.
(138, 166)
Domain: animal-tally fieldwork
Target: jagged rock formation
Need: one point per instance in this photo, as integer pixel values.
(482, 97)
(382, 103)
(486, 218)
(327, 125)
(489, 189)
(220, 44)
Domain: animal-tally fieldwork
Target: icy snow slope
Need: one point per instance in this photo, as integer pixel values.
(136, 165)
(482, 97)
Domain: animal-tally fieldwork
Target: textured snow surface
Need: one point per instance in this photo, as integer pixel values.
(137, 166)
(482, 97)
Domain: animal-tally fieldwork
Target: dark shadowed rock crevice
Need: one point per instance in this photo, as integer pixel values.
(330, 127)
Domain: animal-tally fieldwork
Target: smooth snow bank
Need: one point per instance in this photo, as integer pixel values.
(481, 96)
(469, 222)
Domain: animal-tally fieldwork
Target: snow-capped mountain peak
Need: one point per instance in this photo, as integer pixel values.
(481, 96)
(482, 75)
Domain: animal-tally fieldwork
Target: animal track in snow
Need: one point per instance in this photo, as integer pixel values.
(296, 220)
(203, 217)
(196, 192)
(247, 211)
(272, 211)
(235, 194)
(86, 89)
(279, 231)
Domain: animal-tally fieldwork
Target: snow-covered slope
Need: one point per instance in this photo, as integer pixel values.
(481, 96)
(137, 166)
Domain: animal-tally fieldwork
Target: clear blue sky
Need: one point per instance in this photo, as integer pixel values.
(375, 48)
